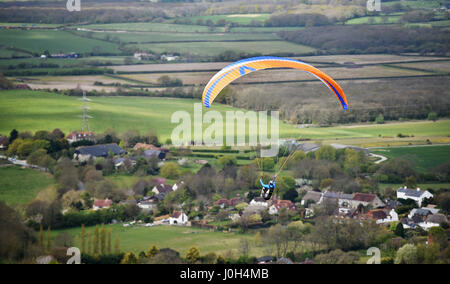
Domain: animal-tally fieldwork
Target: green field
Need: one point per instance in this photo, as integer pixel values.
(391, 19)
(424, 157)
(150, 37)
(139, 239)
(425, 4)
(216, 48)
(19, 186)
(243, 19)
(54, 41)
(151, 27)
(36, 110)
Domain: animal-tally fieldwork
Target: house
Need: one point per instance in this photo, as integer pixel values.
(119, 162)
(312, 196)
(101, 204)
(79, 136)
(383, 216)
(144, 56)
(85, 153)
(366, 199)
(145, 146)
(414, 194)
(258, 201)
(433, 221)
(223, 202)
(343, 199)
(162, 188)
(169, 58)
(178, 218)
(423, 213)
(159, 154)
(148, 202)
(4, 142)
(277, 205)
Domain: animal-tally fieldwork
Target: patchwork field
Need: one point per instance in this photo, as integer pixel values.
(19, 186)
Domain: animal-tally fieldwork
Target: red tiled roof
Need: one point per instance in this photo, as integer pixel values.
(146, 147)
(102, 203)
(365, 197)
(176, 214)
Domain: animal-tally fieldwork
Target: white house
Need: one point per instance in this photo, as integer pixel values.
(433, 221)
(178, 218)
(101, 204)
(392, 217)
(416, 195)
(259, 201)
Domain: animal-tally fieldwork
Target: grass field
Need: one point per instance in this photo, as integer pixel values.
(19, 186)
(150, 27)
(139, 239)
(149, 37)
(28, 110)
(53, 41)
(426, 4)
(424, 157)
(216, 48)
(35, 110)
(243, 19)
(391, 19)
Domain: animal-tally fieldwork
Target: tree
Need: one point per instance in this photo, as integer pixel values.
(109, 241)
(399, 230)
(326, 152)
(103, 240)
(41, 236)
(379, 119)
(337, 257)
(291, 195)
(170, 170)
(117, 245)
(152, 252)
(432, 116)
(129, 258)
(438, 236)
(49, 241)
(96, 240)
(13, 135)
(83, 239)
(411, 182)
(407, 254)
(192, 255)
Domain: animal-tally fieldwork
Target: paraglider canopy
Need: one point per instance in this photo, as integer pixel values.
(246, 66)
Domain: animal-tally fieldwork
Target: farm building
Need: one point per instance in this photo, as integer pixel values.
(85, 153)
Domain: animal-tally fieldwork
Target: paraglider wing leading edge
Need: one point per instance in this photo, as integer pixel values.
(246, 66)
